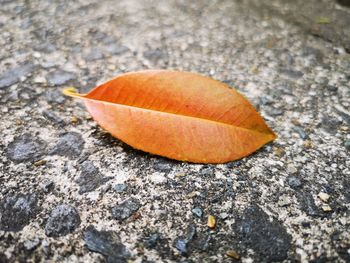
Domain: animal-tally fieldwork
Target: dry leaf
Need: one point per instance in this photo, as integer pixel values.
(179, 115)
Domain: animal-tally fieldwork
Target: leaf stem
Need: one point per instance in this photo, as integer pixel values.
(72, 92)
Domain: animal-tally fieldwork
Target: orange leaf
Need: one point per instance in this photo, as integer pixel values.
(179, 115)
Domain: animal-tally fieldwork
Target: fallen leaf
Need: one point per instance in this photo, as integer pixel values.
(179, 115)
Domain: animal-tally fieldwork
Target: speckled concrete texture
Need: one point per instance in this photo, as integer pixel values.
(69, 192)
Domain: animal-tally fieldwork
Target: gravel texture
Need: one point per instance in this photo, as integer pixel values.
(70, 192)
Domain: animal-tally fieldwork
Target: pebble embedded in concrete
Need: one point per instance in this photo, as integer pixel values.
(26, 148)
(16, 211)
(126, 209)
(158, 178)
(69, 144)
(107, 243)
(268, 238)
(294, 181)
(13, 75)
(60, 77)
(90, 177)
(64, 219)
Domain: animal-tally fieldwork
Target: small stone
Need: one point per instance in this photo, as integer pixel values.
(107, 243)
(274, 111)
(151, 241)
(39, 80)
(323, 196)
(26, 148)
(197, 212)
(332, 88)
(224, 216)
(296, 122)
(347, 145)
(233, 254)
(46, 248)
(301, 132)
(95, 54)
(116, 49)
(45, 47)
(206, 171)
(312, 52)
(182, 243)
(306, 224)
(162, 167)
(126, 209)
(330, 124)
(291, 169)
(31, 244)
(345, 115)
(308, 144)
(63, 220)
(55, 97)
(69, 144)
(155, 55)
(279, 151)
(74, 120)
(202, 242)
(326, 208)
(39, 162)
(90, 177)
(294, 182)
(268, 238)
(284, 200)
(16, 211)
(14, 75)
(211, 221)
(158, 178)
(111, 67)
(19, 122)
(294, 74)
(307, 203)
(60, 77)
(119, 188)
(265, 100)
(51, 116)
(47, 185)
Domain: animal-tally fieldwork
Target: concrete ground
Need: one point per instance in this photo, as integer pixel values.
(69, 192)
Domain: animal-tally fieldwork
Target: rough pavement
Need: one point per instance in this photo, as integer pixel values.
(72, 193)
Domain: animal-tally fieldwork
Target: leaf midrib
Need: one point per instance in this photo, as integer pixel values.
(165, 112)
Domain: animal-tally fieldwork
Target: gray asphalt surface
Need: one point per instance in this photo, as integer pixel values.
(69, 192)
